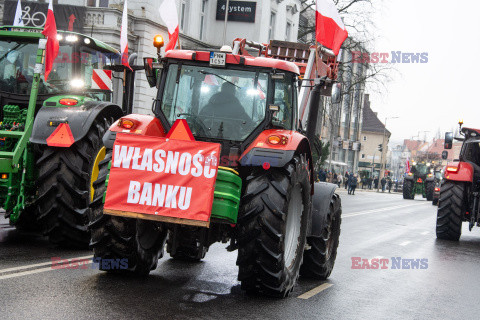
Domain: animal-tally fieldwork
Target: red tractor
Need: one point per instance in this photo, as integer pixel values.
(256, 107)
(460, 191)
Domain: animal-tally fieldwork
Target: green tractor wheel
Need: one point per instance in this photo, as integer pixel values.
(64, 187)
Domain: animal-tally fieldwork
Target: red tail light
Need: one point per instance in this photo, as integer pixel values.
(437, 189)
(277, 140)
(68, 101)
(419, 180)
(126, 123)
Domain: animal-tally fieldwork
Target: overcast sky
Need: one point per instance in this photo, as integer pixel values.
(438, 93)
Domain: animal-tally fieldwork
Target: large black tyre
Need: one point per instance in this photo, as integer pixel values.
(187, 243)
(272, 228)
(407, 190)
(141, 242)
(318, 262)
(429, 188)
(450, 211)
(64, 187)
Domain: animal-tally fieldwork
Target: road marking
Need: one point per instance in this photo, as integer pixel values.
(30, 266)
(405, 243)
(359, 213)
(425, 232)
(314, 291)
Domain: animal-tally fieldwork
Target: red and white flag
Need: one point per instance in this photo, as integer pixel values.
(330, 30)
(50, 31)
(407, 166)
(124, 36)
(168, 12)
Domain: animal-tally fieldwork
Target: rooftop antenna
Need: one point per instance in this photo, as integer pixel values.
(225, 24)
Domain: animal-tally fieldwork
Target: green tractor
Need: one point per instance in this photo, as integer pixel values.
(420, 180)
(51, 131)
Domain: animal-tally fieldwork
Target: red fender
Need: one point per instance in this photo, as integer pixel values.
(143, 125)
(459, 171)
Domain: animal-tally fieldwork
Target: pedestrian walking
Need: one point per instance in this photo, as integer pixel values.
(375, 183)
(347, 175)
(389, 185)
(322, 176)
(353, 184)
(383, 183)
(339, 180)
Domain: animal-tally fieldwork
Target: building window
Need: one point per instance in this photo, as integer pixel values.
(97, 3)
(184, 6)
(202, 18)
(288, 30)
(271, 31)
(363, 155)
(364, 138)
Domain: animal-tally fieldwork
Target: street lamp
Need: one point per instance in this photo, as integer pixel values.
(382, 164)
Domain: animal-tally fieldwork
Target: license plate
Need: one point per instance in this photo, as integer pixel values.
(218, 59)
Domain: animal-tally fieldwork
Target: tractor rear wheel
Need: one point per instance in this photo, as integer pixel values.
(408, 190)
(450, 211)
(272, 228)
(139, 241)
(64, 187)
(318, 262)
(429, 188)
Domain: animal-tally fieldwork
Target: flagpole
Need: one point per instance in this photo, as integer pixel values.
(225, 24)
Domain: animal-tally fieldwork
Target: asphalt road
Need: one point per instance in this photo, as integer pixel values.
(374, 226)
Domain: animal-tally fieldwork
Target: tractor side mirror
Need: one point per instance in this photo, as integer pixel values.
(337, 93)
(152, 71)
(444, 155)
(448, 140)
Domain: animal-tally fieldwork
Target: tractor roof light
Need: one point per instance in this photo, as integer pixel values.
(158, 42)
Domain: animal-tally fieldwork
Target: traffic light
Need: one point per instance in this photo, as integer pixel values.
(380, 148)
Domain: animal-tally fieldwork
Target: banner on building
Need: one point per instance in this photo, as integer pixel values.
(162, 179)
(241, 11)
(34, 14)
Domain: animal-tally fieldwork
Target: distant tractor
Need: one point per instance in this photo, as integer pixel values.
(420, 180)
(460, 190)
(51, 131)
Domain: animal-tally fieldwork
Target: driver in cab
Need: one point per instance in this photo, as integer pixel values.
(225, 111)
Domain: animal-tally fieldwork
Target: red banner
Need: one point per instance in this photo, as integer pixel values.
(162, 177)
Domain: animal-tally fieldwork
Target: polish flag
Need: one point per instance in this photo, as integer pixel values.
(124, 37)
(17, 21)
(330, 30)
(168, 12)
(50, 31)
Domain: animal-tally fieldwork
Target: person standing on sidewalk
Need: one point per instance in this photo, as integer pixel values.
(353, 184)
(339, 179)
(389, 184)
(383, 182)
(375, 183)
(347, 175)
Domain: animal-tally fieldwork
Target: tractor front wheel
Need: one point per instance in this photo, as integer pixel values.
(429, 188)
(408, 190)
(450, 211)
(137, 242)
(272, 228)
(64, 187)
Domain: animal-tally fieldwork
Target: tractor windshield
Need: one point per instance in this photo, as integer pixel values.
(217, 103)
(420, 169)
(17, 63)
